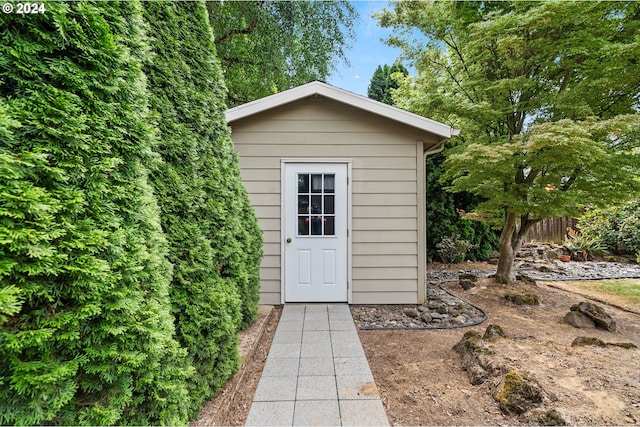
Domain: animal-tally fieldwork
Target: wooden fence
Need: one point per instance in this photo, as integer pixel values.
(551, 230)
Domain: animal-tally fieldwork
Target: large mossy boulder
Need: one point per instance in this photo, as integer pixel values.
(597, 314)
(519, 393)
(522, 298)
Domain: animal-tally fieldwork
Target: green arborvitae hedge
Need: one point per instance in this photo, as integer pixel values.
(205, 214)
(189, 79)
(443, 219)
(80, 236)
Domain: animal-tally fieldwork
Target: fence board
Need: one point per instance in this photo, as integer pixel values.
(551, 230)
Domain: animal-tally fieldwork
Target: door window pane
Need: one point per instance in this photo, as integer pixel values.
(316, 204)
(329, 183)
(303, 204)
(303, 225)
(329, 226)
(316, 183)
(303, 183)
(316, 225)
(329, 207)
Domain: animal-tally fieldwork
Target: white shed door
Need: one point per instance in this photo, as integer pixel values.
(315, 211)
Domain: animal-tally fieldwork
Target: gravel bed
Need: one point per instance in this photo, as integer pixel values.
(445, 310)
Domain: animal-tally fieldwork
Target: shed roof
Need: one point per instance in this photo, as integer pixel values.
(317, 88)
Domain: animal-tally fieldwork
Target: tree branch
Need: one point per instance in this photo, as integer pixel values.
(570, 181)
(248, 30)
(453, 45)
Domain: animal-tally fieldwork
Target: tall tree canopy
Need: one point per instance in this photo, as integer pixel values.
(546, 95)
(269, 46)
(443, 218)
(382, 82)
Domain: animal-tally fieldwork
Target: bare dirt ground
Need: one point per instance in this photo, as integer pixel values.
(421, 380)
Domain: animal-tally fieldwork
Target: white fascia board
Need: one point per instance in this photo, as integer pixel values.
(346, 97)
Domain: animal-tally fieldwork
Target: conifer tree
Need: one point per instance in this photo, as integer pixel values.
(91, 341)
(202, 201)
(382, 82)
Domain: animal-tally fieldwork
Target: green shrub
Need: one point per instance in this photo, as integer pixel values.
(583, 247)
(211, 229)
(80, 235)
(453, 249)
(617, 227)
(445, 216)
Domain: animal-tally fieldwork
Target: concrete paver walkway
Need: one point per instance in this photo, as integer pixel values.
(316, 373)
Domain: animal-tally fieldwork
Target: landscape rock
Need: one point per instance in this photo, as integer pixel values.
(579, 320)
(493, 332)
(392, 316)
(596, 313)
(519, 393)
(477, 375)
(526, 279)
(471, 342)
(435, 313)
(548, 418)
(522, 298)
(468, 281)
(411, 312)
(474, 351)
(585, 341)
(597, 342)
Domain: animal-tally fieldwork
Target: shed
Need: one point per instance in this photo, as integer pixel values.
(337, 181)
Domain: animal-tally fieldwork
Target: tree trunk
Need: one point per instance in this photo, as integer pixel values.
(505, 273)
(511, 241)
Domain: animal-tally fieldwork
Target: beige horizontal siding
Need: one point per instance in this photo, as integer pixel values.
(332, 149)
(263, 187)
(386, 297)
(269, 224)
(255, 174)
(270, 261)
(264, 199)
(272, 286)
(384, 163)
(384, 273)
(385, 175)
(270, 274)
(384, 224)
(271, 249)
(384, 236)
(383, 185)
(270, 298)
(249, 162)
(387, 285)
(379, 211)
(353, 140)
(271, 236)
(267, 211)
(361, 248)
(383, 261)
(379, 199)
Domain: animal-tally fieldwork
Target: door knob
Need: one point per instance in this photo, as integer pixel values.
(288, 239)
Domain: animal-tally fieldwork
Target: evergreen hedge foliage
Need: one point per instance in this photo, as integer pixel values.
(213, 237)
(88, 335)
(444, 221)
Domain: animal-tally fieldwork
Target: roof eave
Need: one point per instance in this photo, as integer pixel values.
(346, 97)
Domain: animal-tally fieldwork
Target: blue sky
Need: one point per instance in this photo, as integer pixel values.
(367, 52)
